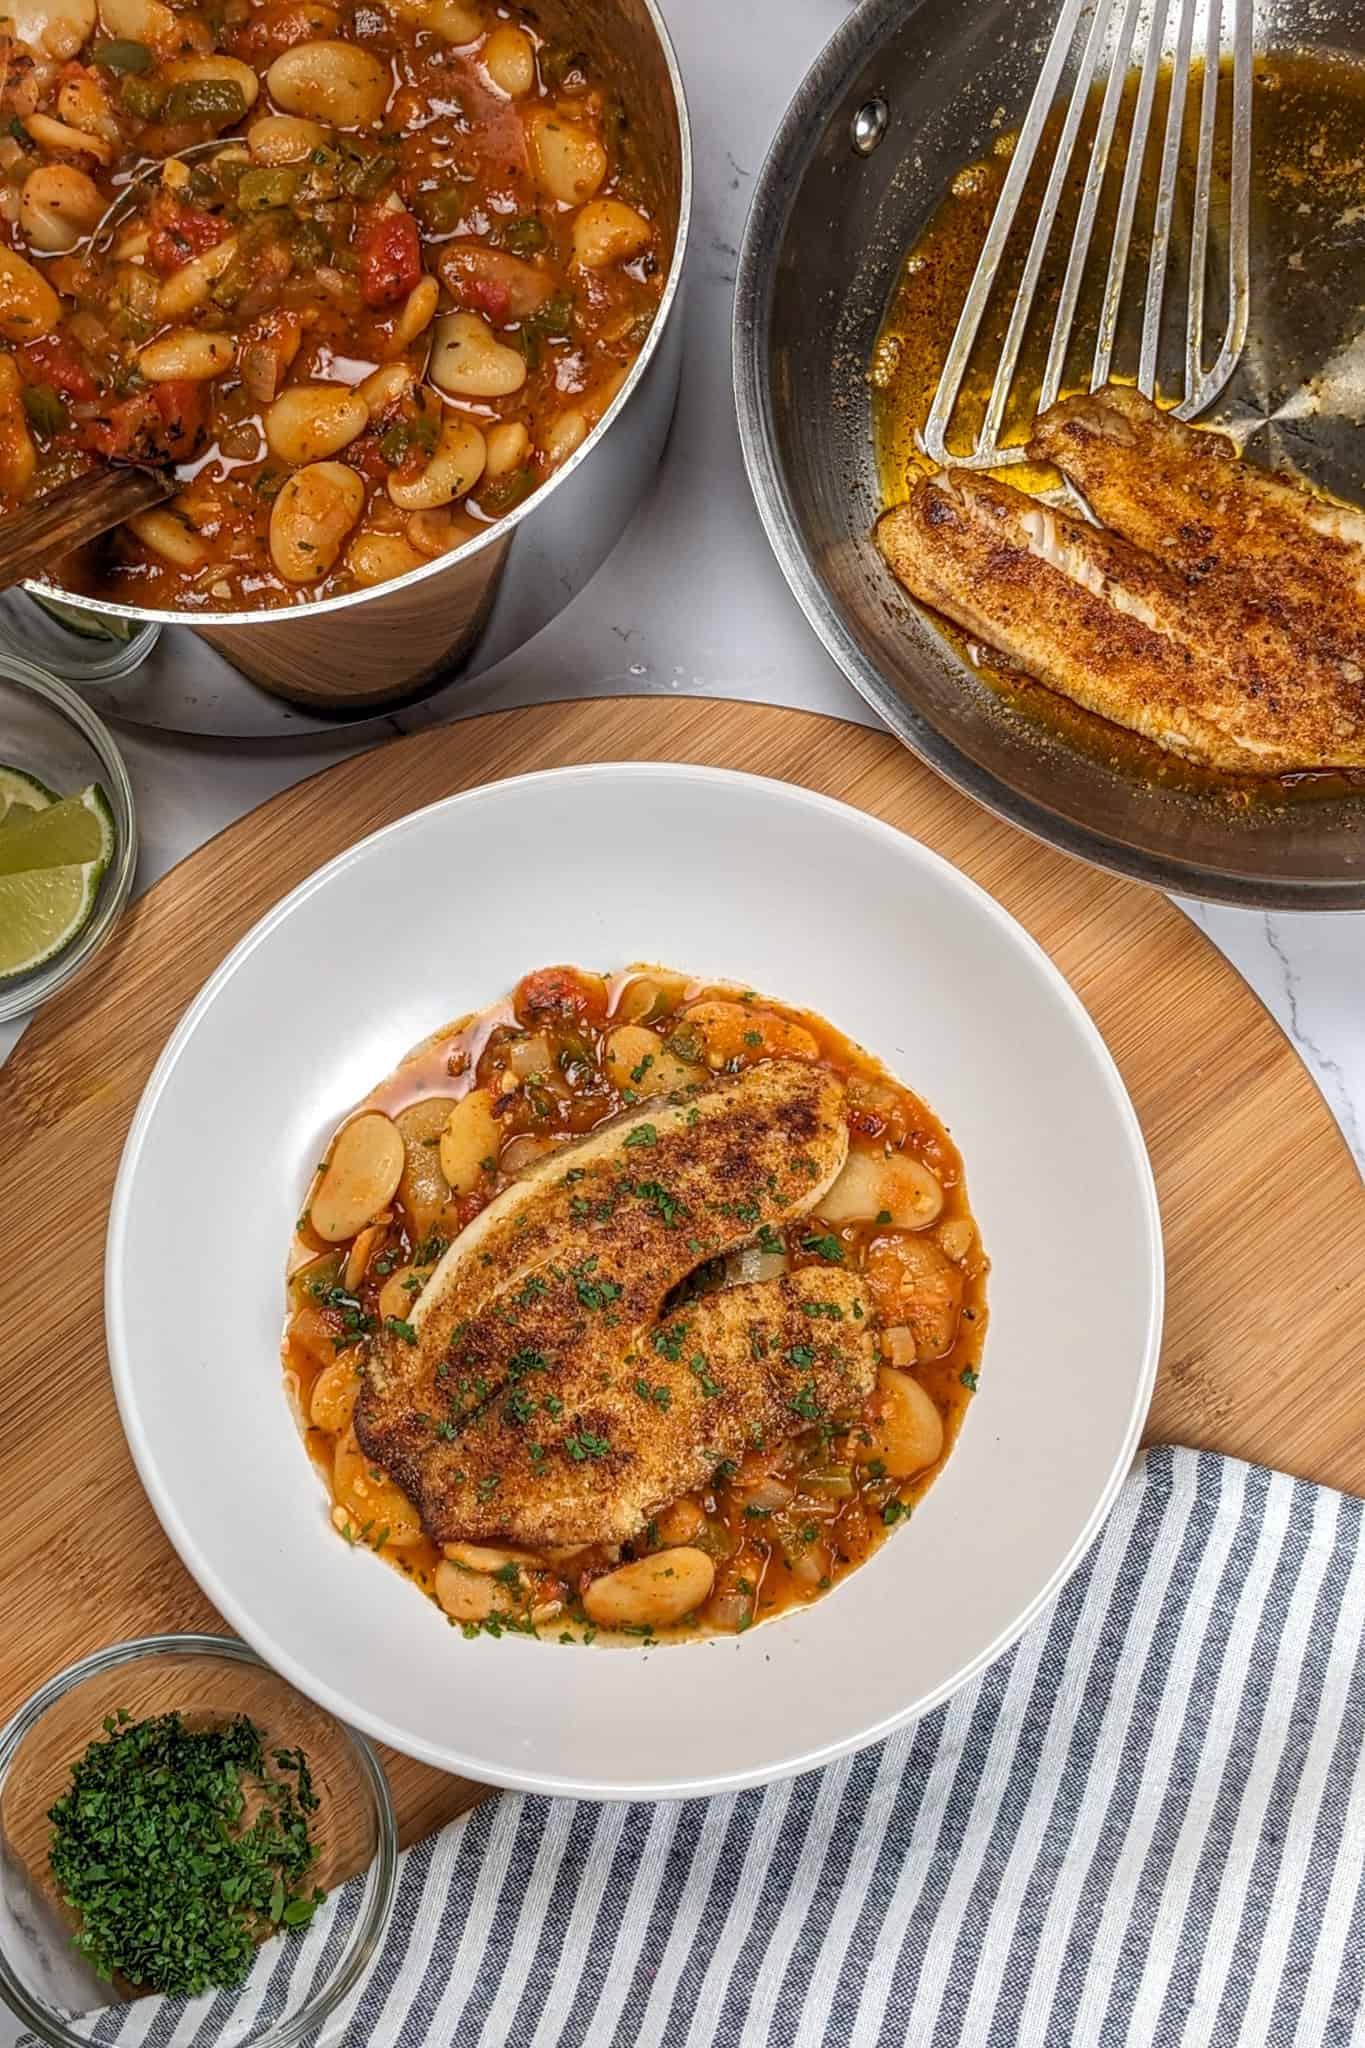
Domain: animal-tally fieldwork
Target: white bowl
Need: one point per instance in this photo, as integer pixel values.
(727, 876)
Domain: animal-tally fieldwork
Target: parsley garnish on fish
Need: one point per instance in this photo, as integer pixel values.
(825, 1245)
(643, 1134)
(583, 1444)
(668, 1207)
(697, 1364)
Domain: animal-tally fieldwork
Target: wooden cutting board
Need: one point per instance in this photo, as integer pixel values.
(1264, 1211)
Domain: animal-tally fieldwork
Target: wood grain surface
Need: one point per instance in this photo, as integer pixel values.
(1263, 1209)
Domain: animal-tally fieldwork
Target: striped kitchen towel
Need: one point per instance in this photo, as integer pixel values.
(1145, 1825)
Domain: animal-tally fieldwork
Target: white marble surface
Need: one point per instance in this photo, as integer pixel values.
(692, 601)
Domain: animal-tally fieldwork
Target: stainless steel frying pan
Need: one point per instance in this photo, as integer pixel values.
(906, 93)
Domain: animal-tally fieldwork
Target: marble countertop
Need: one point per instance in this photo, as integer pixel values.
(640, 624)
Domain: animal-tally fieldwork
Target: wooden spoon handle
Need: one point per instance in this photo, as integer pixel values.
(38, 535)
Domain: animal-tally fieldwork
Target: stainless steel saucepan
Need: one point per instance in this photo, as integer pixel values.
(382, 646)
(906, 93)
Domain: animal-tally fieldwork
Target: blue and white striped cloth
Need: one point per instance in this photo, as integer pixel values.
(1146, 1826)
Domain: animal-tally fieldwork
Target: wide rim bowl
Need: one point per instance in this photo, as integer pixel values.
(19, 998)
(346, 1967)
(500, 531)
(812, 139)
(1013, 1064)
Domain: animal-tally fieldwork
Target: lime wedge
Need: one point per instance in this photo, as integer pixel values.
(21, 793)
(72, 833)
(42, 910)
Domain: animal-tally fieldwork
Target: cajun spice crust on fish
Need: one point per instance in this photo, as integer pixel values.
(1199, 670)
(540, 1300)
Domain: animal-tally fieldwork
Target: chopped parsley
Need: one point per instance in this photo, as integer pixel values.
(710, 1388)
(152, 1848)
(637, 1074)
(969, 1378)
(802, 1356)
(829, 1309)
(769, 1241)
(805, 1403)
(883, 1216)
(400, 1328)
(667, 1206)
(825, 1245)
(583, 1444)
(895, 1511)
(661, 1397)
(643, 1134)
(669, 1343)
(592, 1293)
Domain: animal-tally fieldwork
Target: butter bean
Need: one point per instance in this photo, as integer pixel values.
(364, 1164)
(334, 82)
(468, 361)
(316, 508)
(454, 469)
(189, 353)
(308, 422)
(653, 1591)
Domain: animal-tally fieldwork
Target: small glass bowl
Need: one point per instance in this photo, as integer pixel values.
(80, 658)
(48, 731)
(44, 1979)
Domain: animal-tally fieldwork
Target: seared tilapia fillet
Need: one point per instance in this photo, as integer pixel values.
(1182, 493)
(566, 1271)
(580, 1452)
(1197, 670)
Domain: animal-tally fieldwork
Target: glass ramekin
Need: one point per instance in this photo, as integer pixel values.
(47, 730)
(207, 1679)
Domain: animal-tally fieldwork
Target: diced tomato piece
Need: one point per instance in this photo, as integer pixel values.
(492, 299)
(180, 232)
(390, 254)
(364, 455)
(560, 992)
(49, 362)
(164, 423)
(181, 404)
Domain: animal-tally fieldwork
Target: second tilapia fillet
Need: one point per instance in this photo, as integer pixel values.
(1183, 494)
(1099, 621)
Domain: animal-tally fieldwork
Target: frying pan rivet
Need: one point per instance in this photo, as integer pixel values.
(869, 125)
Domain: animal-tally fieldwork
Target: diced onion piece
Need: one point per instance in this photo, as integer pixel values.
(898, 1345)
(528, 1056)
(750, 1265)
